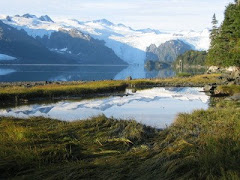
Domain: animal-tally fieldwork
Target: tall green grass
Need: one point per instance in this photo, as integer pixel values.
(204, 144)
(38, 145)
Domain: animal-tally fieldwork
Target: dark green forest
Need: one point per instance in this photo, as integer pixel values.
(192, 58)
(225, 40)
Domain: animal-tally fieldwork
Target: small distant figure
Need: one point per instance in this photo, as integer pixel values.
(129, 78)
(181, 66)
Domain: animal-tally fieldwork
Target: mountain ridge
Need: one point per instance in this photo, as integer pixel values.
(62, 47)
(127, 43)
(167, 52)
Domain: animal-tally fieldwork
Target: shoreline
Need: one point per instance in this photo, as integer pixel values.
(28, 91)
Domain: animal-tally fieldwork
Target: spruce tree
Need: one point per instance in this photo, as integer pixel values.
(214, 30)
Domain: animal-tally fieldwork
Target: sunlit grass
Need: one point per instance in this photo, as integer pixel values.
(228, 89)
(27, 145)
(60, 90)
(83, 89)
(201, 145)
(184, 74)
(198, 80)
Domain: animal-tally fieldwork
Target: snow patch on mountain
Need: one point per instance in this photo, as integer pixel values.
(62, 51)
(148, 30)
(129, 44)
(103, 21)
(31, 24)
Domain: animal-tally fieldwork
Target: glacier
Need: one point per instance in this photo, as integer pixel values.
(127, 43)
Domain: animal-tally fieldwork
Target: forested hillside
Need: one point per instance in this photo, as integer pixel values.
(225, 40)
(192, 58)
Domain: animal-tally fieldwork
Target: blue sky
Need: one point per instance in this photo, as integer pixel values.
(170, 15)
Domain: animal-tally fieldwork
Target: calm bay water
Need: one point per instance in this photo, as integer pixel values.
(156, 107)
(13, 73)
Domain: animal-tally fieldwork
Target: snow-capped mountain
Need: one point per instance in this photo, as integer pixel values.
(62, 47)
(127, 43)
(46, 18)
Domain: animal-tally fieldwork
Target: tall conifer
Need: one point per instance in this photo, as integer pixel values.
(214, 30)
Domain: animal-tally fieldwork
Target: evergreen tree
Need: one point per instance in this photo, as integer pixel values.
(225, 42)
(212, 55)
(214, 30)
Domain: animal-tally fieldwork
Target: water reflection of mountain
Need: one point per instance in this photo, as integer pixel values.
(10, 73)
(163, 73)
(58, 72)
(154, 107)
(6, 71)
(138, 71)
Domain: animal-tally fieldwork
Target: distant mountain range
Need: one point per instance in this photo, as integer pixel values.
(62, 47)
(98, 41)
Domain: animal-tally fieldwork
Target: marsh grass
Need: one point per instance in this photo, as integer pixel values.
(202, 145)
(76, 89)
(184, 74)
(37, 144)
(192, 81)
(228, 89)
(86, 89)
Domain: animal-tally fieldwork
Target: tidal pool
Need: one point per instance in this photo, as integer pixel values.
(156, 107)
